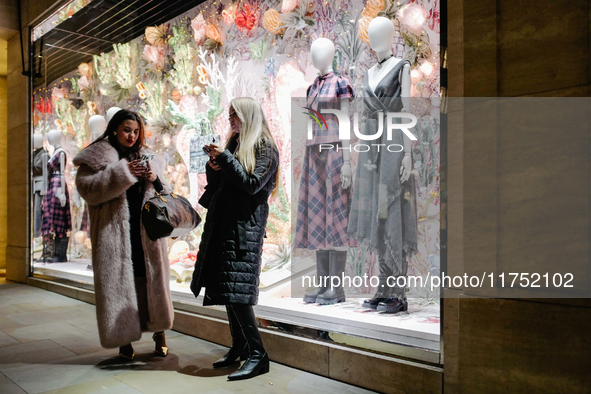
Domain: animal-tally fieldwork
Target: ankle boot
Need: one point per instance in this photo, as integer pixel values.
(383, 291)
(239, 347)
(322, 261)
(258, 360)
(337, 263)
(141, 291)
(395, 303)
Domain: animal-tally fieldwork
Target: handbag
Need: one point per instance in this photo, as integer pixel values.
(169, 215)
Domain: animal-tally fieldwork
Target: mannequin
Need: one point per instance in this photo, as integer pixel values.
(383, 211)
(112, 111)
(57, 221)
(40, 159)
(324, 197)
(97, 125)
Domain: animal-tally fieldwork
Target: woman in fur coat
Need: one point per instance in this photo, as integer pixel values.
(240, 179)
(131, 272)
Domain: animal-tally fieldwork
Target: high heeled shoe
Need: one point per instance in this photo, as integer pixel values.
(127, 352)
(232, 356)
(159, 339)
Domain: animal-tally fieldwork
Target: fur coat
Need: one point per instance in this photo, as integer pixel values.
(102, 180)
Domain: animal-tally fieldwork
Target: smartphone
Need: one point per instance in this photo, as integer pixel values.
(146, 159)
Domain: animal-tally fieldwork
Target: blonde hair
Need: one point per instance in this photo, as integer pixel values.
(254, 131)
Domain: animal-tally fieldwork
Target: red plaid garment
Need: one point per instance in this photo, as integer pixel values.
(56, 219)
(327, 92)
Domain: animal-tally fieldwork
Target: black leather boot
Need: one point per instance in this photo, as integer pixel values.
(383, 291)
(258, 360)
(239, 347)
(337, 263)
(322, 261)
(396, 303)
(61, 249)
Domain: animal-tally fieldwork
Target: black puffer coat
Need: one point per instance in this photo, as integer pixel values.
(229, 259)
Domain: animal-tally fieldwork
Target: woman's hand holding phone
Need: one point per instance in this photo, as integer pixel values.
(135, 169)
(213, 150)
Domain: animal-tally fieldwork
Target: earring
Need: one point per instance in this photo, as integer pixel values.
(114, 133)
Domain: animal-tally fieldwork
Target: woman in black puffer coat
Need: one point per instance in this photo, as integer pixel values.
(240, 179)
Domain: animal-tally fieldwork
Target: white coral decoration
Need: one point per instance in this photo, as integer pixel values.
(216, 78)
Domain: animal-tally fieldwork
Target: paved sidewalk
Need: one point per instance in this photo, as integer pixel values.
(49, 344)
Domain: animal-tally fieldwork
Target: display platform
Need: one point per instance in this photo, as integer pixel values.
(419, 328)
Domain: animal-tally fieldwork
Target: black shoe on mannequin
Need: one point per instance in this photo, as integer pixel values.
(383, 291)
(321, 272)
(258, 360)
(395, 303)
(239, 347)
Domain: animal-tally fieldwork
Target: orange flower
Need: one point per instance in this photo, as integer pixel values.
(156, 35)
(372, 8)
(271, 21)
(212, 32)
(362, 29)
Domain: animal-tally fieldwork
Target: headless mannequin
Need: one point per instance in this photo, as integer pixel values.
(40, 159)
(381, 33)
(54, 138)
(112, 111)
(330, 261)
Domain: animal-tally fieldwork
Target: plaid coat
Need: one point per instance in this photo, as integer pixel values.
(102, 180)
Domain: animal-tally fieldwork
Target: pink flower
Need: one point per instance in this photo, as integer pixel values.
(413, 16)
(198, 24)
(58, 93)
(229, 14)
(155, 55)
(83, 83)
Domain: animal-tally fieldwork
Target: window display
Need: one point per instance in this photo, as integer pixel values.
(341, 212)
